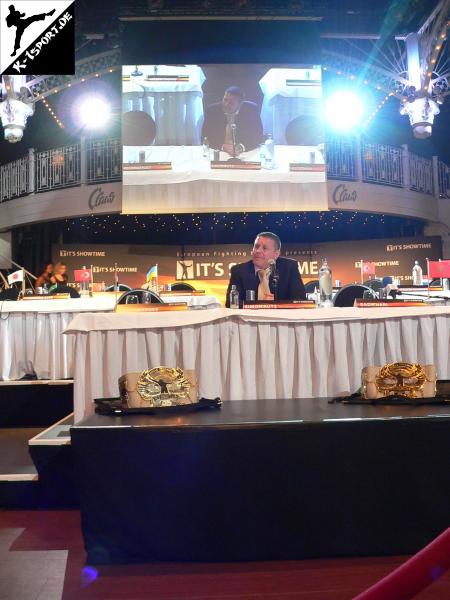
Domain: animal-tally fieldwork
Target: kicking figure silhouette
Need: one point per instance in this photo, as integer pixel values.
(14, 19)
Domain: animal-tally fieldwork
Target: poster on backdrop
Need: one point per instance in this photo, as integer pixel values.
(207, 267)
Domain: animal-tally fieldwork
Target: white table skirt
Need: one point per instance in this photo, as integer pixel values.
(31, 340)
(240, 355)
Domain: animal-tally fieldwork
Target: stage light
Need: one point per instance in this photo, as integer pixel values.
(93, 112)
(344, 110)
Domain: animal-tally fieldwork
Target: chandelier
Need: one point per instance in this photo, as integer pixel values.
(16, 107)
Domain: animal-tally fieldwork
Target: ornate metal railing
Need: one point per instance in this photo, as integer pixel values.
(104, 160)
(420, 174)
(58, 168)
(443, 179)
(340, 156)
(382, 164)
(98, 161)
(14, 179)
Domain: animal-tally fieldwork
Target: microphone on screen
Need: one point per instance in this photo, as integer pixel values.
(275, 277)
(272, 266)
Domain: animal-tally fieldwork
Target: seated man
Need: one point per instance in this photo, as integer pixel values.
(258, 275)
(233, 125)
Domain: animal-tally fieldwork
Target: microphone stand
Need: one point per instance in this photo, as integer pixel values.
(234, 159)
(395, 293)
(275, 280)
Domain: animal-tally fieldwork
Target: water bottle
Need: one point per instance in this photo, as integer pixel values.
(84, 288)
(269, 152)
(325, 284)
(417, 274)
(205, 147)
(234, 297)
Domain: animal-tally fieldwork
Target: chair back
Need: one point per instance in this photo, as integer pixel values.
(143, 296)
(63, 288)
(311, 286)
(138, 128)
(347, 295)
(182, 287)
(306, 130)
(122, 288)
(374, 284)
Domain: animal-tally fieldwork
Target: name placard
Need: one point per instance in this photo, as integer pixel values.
(48, 297)
(126, 308)
(167, 293)
(148, 166)
(167, 78)
(303, 167)
(245, 166)
(258, 305)
(390, 303)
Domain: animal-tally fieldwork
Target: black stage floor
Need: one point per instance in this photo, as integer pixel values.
(262, 480)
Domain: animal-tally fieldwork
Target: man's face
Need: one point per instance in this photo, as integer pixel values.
(264, 249)
(230, 103)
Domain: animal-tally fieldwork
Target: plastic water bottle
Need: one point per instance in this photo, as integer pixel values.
(269, 152)
(325, 284)
(84, 288)
(205, 147)
(234, 297)
(417, 275)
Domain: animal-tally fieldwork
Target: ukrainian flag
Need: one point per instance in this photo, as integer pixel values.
(153, 272)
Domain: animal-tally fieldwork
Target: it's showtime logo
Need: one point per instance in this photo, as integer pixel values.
(37, 38)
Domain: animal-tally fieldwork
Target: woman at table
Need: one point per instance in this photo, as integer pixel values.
(59, 274)
(44, 278)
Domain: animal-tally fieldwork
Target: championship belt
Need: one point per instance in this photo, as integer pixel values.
(409, 380)
(161, 386)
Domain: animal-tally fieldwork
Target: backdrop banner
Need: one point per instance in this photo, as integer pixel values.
(207, 267)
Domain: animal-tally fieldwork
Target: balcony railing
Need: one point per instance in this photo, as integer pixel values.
(99, 161)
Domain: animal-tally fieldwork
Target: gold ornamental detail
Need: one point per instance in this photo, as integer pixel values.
(401, 379)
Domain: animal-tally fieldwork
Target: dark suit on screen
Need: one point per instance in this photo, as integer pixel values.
(249, 129)
(290, 284)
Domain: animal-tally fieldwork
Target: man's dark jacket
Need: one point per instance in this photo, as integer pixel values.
(290, 284)
(249, 129)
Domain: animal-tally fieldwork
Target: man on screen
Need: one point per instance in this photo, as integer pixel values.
(234, 124)
(268, 275)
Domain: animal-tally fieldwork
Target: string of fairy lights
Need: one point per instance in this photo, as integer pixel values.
(67, 85)
(438, 42)
(240, 227)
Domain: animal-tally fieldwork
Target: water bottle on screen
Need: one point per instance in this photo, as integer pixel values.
(269, 152)
(234, 297)
(325, 284)
(417, 275)
(205, 147)
(84, 288)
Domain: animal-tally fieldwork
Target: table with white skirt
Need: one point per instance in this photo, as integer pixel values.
(253, 354)
(31, 340)
(31, 332)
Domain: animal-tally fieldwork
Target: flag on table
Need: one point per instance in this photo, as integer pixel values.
(367, 268)
(16, 276)
(153, 272)
(83, 275)
(436, 268)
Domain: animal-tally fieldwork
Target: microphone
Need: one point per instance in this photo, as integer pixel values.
(272, 265)
(275, 277)
(234, 158)
(394, 293)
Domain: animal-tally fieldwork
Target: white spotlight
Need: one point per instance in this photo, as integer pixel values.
(94, 112)
(344, 110)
